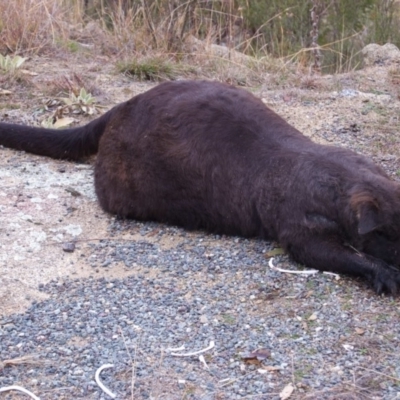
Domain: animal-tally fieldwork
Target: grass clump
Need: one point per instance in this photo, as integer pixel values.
(151, 69)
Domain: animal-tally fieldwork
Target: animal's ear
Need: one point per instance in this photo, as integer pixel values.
(368, 218)
(367, 210)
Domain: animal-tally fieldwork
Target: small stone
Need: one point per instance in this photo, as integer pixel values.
(68, 247)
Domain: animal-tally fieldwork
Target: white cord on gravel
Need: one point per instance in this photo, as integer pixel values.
(20, 389)
(203, 361)
(195, 353)
(306, 272)
(100, 383)
(289, 271)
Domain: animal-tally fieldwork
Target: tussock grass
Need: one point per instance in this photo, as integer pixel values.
(155, 68)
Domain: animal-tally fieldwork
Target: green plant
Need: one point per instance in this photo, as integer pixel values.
(72, 46)
(81, 103)
(301, 373)
(11, 64)
(228, 319)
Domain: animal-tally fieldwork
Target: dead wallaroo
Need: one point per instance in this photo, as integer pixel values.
(205, 155)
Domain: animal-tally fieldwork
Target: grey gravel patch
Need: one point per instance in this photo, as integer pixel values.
(328, 337)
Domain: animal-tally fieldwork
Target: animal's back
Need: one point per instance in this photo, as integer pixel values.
(192, 153)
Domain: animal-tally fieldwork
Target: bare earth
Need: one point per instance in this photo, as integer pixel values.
(46, 204)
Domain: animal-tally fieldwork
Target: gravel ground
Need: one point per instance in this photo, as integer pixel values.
(131, 291)
(318, 332)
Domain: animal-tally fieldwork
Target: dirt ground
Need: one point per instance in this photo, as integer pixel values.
(46, 204)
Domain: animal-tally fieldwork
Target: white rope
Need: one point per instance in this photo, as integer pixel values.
(100, 383)
(20, 389)
(195, 353)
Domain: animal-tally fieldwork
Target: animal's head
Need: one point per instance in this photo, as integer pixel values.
(378, 221)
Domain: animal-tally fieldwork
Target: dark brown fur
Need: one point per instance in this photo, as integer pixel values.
(211, 156)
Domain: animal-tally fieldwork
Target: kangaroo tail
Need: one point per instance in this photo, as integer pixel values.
(72, 144)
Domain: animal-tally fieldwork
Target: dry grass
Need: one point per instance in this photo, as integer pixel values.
(151, 40)
(145, 28)
(29, 26)
(25, 360)
(145, 37)
(65, 85)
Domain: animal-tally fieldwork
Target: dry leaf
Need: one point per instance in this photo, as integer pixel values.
(348, 347)
(275, 252)
(268, 368)
(63, 122)
(260, 354)
(286, 392)
(360, 331)
(3, 91)
(26, 72)
(312, 317)
(73, 192)
(255, 357)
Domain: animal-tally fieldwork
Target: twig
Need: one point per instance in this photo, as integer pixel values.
(314, 36)
(149, 22)
(380, 373)
(100, 383)
(293, 380)
(130, 358)
(32, 359)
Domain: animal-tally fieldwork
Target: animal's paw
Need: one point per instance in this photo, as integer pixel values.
(386, 280)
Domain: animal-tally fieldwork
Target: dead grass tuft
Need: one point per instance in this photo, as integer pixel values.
(151, 40)
(65, 85)
(25, 360)
(29, 25)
